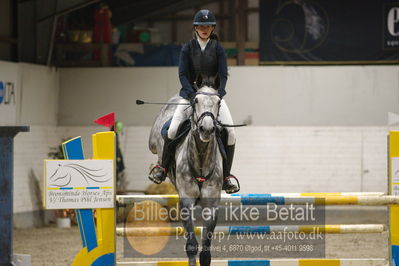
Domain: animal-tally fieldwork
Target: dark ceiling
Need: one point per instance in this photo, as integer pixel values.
(125, 11)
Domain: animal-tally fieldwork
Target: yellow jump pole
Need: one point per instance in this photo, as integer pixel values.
(105, 247)
(104, 148)
(393, 171)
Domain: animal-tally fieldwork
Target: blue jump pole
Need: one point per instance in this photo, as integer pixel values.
(7, 134)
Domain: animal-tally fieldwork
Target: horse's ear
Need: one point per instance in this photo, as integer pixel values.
(199, 81)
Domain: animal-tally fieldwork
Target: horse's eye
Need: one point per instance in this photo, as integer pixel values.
(196, 100)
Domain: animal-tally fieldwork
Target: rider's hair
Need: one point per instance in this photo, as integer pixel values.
(213, 35)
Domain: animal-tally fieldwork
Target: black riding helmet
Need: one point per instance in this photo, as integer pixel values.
(204, 17)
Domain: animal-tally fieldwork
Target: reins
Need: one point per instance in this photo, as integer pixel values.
(215, 121)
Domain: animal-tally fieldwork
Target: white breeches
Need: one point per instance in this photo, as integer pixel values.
(183, 112)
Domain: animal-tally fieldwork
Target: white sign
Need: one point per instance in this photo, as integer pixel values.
(79, 184)
(395, 176)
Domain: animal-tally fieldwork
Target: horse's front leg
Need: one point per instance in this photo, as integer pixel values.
(186, 211)
(209, 203)
(188, 193)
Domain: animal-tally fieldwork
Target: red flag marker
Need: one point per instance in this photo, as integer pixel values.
(106, 120)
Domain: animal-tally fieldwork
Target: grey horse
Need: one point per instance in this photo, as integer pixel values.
(197, 156)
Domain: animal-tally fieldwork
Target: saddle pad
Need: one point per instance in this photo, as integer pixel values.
(165, 128)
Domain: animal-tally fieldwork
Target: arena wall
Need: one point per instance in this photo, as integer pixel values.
(36, 105)
(262, 96)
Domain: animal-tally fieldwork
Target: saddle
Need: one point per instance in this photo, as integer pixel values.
(184, 129)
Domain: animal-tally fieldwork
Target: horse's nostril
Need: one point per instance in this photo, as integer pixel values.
(201, 128)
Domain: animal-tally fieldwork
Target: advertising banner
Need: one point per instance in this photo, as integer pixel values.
(79, 184)
(329, 32)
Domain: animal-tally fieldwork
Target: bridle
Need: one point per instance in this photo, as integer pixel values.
(207, 113)
(199, 175)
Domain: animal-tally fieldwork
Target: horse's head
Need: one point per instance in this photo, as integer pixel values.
(206, 104)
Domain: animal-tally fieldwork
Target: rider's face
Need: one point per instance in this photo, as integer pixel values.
(204, 31)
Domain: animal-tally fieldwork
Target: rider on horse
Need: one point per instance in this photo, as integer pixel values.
(203, 56)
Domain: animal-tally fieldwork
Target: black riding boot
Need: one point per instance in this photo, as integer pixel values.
(158, 172)
(228, 186)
